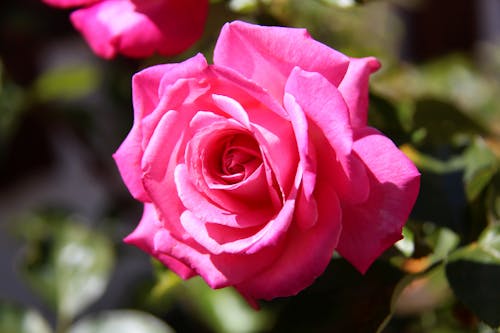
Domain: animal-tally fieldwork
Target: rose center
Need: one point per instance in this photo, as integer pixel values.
(240, 157)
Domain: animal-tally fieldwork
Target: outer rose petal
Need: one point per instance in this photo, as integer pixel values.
(142, 238)
(267, 55)
(69, 3)
(354, 88)
(375, 225)
(324, 106)
(181, 22)
(217, 270)
(145, 91)
(120, 26)
(305, 256)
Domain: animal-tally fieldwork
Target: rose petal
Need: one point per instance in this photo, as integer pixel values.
(267, 55)
(217, 270)
(142, 238)
(354, 88)
(128, 157)
(239, 87)
(195, 67)
(112, 27)
(232, 108)
(324, 106)
(158, 165)
(305, 256)
(204, 155)
(181, 23)
(203, 208)
(69, 3)
(375, 225)
(217, 238)
(140, 29)
(249, 243)
(306, 211)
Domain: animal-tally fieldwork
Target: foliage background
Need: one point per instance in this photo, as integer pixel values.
(64, 208)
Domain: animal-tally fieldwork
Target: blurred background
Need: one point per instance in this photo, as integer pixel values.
(64, 209)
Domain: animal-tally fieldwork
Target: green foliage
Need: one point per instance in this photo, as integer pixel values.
(222, 310)
(67, 263)
(18, 320)
(478, 265)
(12, 100)
(69, 266)
(123, 321)
(66, 82)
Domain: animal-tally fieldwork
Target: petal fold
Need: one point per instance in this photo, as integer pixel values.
(376, 224)
(354, 88)
(267, 55)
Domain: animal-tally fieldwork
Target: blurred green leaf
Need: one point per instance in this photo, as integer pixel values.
(486, 250)
(406, 244)
(476, 285)
(68, 264)
(243, 6)
(67, 82)
(83, 262)
(348, 28)
(443, 241)
(386, 117)
(474, 273)
(18, 320)
(166, 284)
(443, 121)
(490, 239)
(121, 321)
(225, 310)
(12, 102)
(419, 293)
(481, 166)
(451, 79)
(341, 3)
(430, 163)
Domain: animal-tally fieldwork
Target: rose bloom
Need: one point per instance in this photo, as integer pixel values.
(137, 28)
(255, 169)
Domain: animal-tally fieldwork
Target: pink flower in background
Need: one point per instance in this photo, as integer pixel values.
(137, 28)
(255, 169)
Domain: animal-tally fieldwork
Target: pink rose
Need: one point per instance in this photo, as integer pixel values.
(137, 28)
(255, 169)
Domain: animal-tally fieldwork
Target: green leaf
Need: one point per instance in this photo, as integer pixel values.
(443, 121)
(66, 262)
(243, 6)
(490, 240)
(419, 293)
(442, 241)
(18, 320)
(481, 166)
(406, 244)
(486, 250)
(340, 3)
(67, 82)
(121, 321)
(162, 294)
(476, 285)
(83, 260)
(12, 105)
(224, 310)
(474, 273)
